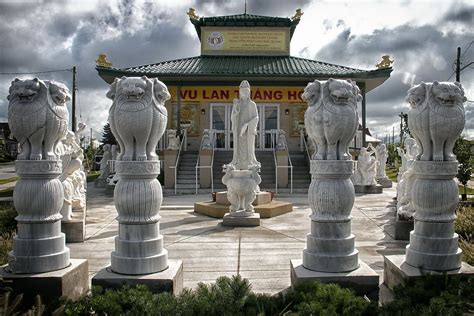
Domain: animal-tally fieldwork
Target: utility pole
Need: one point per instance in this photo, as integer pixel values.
(458, 66)
(74, 99)
(393, 135)
(91, 138)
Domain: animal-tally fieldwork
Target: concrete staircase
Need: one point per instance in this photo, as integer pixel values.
(186, 180)
(267, 172)
(301, 175)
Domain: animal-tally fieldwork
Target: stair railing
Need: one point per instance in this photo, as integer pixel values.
(210, 166)
(304, 146)
(184, 140)
(277, 134)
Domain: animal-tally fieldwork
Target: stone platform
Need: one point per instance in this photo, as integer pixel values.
(363, 281)
(384, 182)
(269, 210)
(169, 280)
(263, 205)
(403, 229)
(71, 282)
(368, 189)
(75, 229)
(397, 271)
(100, 183)
(241, 221)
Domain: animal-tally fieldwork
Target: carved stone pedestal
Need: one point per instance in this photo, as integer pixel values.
(39, 246)
(385, 182)
(403, 229)
(368, 189)
(71, 282)
(138, 196)
(330, 244)
(100, 183)
(75, 229)
(397, 271)
(245, 220)
(169, 280)
(433, 242)
(241, 193)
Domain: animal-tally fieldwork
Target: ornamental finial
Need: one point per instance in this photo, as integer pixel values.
(103, 62)
(192, 14)
(298, 15)
(385, 63)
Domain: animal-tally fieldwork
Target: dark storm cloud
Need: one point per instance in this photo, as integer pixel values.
(421, 53)
(460, 13)
(44, 36)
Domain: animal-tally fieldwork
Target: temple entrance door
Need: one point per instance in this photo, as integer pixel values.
(269, 123)
(221, 125)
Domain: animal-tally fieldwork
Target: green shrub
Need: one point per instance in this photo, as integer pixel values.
(227, 296)
(7, 228)
(91, 176)
(433, 295)
(465, 228)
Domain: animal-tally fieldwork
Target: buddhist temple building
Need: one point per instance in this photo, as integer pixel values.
(244, 47)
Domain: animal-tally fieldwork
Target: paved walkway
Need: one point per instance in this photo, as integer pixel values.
(261, 254)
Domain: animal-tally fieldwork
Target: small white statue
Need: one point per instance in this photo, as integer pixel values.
(244, 119)
(281, 140)
(80, 129)
(104, 162)
(331, 119)
(173, 141)
(71, 155)
(241, 188)
(38, 116)
(366, 167)
(381, 155)
(436, 118)
(114, 151)
(138, 134)
(406, 178)
(206, 140)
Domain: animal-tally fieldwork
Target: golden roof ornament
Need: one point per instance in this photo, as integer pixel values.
(385, 63)
(103, 62)
(192, 14)
(298, 15)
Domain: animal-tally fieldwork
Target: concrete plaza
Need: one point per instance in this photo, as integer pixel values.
(260, 254)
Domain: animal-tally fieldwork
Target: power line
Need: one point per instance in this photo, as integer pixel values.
(35, 72)
(467, 49)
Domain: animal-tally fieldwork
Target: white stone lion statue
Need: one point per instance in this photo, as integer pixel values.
(38, 116)
(331, 119)
(436, 118)
(138, 116)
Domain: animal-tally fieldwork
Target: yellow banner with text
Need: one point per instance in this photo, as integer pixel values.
(248, 40)
(228, 94)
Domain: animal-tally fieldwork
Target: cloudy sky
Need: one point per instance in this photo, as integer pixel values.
(421, 36)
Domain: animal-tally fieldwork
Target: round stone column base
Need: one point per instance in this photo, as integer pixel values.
(140, 265)
(331, 262)
(39, 264)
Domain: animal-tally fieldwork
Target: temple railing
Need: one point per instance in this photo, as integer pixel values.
(210, 166)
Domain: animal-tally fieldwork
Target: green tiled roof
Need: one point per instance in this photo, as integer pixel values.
(254, 66)
(241, 20)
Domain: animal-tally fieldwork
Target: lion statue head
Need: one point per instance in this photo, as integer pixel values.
(448, 93)
(24, 91)
(343, 92)
(312, 93)
(59, 92)
(417, 94)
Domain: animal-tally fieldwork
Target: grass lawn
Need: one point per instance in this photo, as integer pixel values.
(91, 176)
(392, 173)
